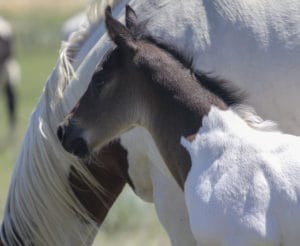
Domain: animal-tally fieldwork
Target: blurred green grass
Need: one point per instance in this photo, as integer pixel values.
(37, 41)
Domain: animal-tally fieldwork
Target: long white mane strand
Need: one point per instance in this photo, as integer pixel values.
(41, 208)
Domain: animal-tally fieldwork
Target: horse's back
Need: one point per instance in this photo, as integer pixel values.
(257, 45)
(243, 184)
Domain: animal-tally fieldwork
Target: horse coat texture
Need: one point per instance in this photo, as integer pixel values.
(243, 187)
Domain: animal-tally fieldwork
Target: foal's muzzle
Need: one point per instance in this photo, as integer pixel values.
(71, 139)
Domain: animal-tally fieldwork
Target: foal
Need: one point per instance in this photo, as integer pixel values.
(142, 83)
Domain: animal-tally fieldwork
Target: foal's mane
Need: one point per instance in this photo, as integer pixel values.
(231, 94)
(41, 204)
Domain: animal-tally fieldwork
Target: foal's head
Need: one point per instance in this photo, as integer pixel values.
(121, 94)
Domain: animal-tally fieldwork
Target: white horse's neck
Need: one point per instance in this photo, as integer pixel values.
(41, 208)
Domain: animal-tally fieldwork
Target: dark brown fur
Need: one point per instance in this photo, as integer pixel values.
(110, 170)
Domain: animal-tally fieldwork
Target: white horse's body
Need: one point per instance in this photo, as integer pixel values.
(244, 186)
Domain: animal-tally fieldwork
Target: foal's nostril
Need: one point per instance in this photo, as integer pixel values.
(71, 139)
(60, 133)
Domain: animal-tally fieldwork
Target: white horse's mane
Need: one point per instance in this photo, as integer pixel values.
(41, 208)
(70, 50)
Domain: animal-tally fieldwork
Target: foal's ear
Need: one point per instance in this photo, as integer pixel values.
(118, 33)
(131, 18)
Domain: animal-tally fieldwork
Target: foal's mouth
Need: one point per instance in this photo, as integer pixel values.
(72, 141)
(79, 148)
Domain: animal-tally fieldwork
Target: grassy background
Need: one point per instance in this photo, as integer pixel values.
(37, 25)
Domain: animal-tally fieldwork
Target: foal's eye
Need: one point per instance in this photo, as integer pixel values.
(98, 84)
(99, 79)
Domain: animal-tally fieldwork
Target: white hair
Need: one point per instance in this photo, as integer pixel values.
(249, 115)
(41, 208)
